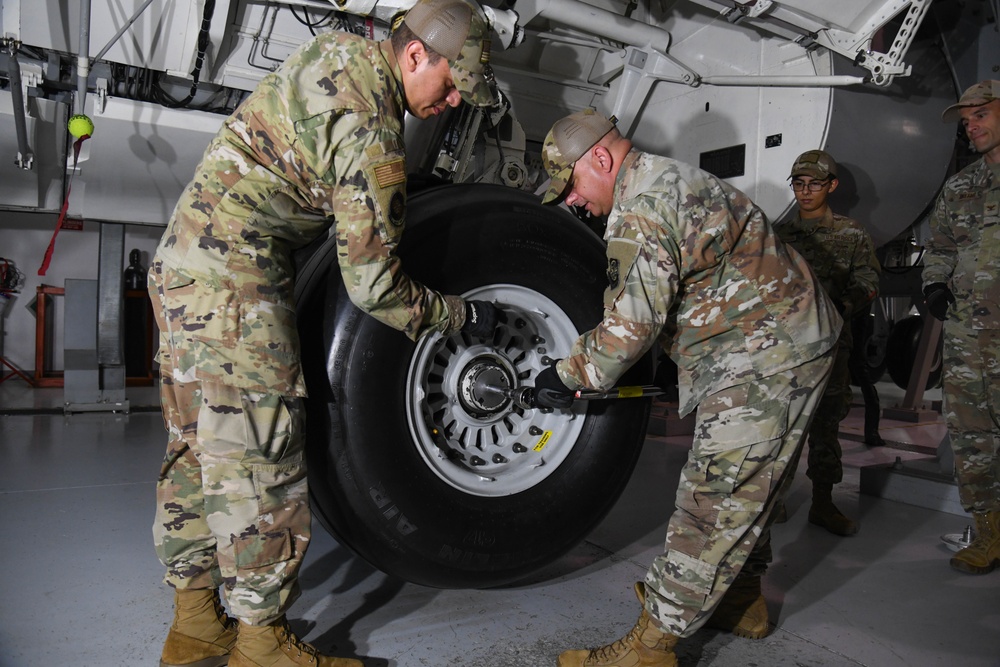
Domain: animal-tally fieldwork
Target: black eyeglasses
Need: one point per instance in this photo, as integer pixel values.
(812, 186)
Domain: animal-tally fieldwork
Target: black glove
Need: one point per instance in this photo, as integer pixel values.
(937, 296)
(480, 318)
(550, 392)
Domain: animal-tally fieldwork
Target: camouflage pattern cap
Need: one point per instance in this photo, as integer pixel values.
(982, 93)
(459, 32)
(566, 142)
(818, 164)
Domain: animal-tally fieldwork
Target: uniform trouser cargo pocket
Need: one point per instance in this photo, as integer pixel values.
(256, 495)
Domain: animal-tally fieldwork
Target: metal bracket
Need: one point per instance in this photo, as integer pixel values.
(748, 10)
(643, 68)
(757, 8)
(791, 19)
(25, 158)
(102, 95)
(883, 66)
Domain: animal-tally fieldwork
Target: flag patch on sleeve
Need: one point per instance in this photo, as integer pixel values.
(390, 173)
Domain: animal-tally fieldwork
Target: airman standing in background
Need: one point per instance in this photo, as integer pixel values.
(842, 255)
(962, 287)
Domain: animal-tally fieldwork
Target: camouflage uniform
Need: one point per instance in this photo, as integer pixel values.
(693, 262)
(841, 254)
(317, 141)
(964, 253)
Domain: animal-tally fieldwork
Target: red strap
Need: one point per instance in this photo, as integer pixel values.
(65, 206)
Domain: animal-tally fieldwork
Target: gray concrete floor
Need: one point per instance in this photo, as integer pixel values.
(82, 586)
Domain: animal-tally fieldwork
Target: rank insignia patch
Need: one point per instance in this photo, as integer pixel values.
(613, 276)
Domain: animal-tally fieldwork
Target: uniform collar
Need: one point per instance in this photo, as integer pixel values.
(621, 179)
(392, 67)
(992, 168)
(621, 188)
(826, 220)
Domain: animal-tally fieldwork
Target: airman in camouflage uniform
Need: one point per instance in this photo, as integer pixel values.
(695, 265)
(842, 255)
(962, 287)
(316, 149)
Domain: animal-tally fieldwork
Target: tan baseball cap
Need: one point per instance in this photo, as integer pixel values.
(982, 93)
(818, 164)
(460, 32)
(566, 142)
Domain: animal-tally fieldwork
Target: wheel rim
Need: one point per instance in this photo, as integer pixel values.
(467, 430)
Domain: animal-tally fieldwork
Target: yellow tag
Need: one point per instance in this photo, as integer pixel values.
(540, 445)
(629, 392)
(390, 173)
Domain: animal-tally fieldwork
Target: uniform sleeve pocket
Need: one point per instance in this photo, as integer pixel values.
(320, 120)
(173, 279)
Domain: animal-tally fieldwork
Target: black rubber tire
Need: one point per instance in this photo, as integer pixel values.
(875, 371)
(870, 348)
(369, 485)
(901, 353)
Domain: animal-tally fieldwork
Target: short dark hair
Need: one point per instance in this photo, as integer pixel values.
(402, 36)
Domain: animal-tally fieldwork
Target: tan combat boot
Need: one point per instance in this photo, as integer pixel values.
(983, 555)
(202, 635)
(644, 646)
(743, 610)
(824, 513)
(277, 646)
